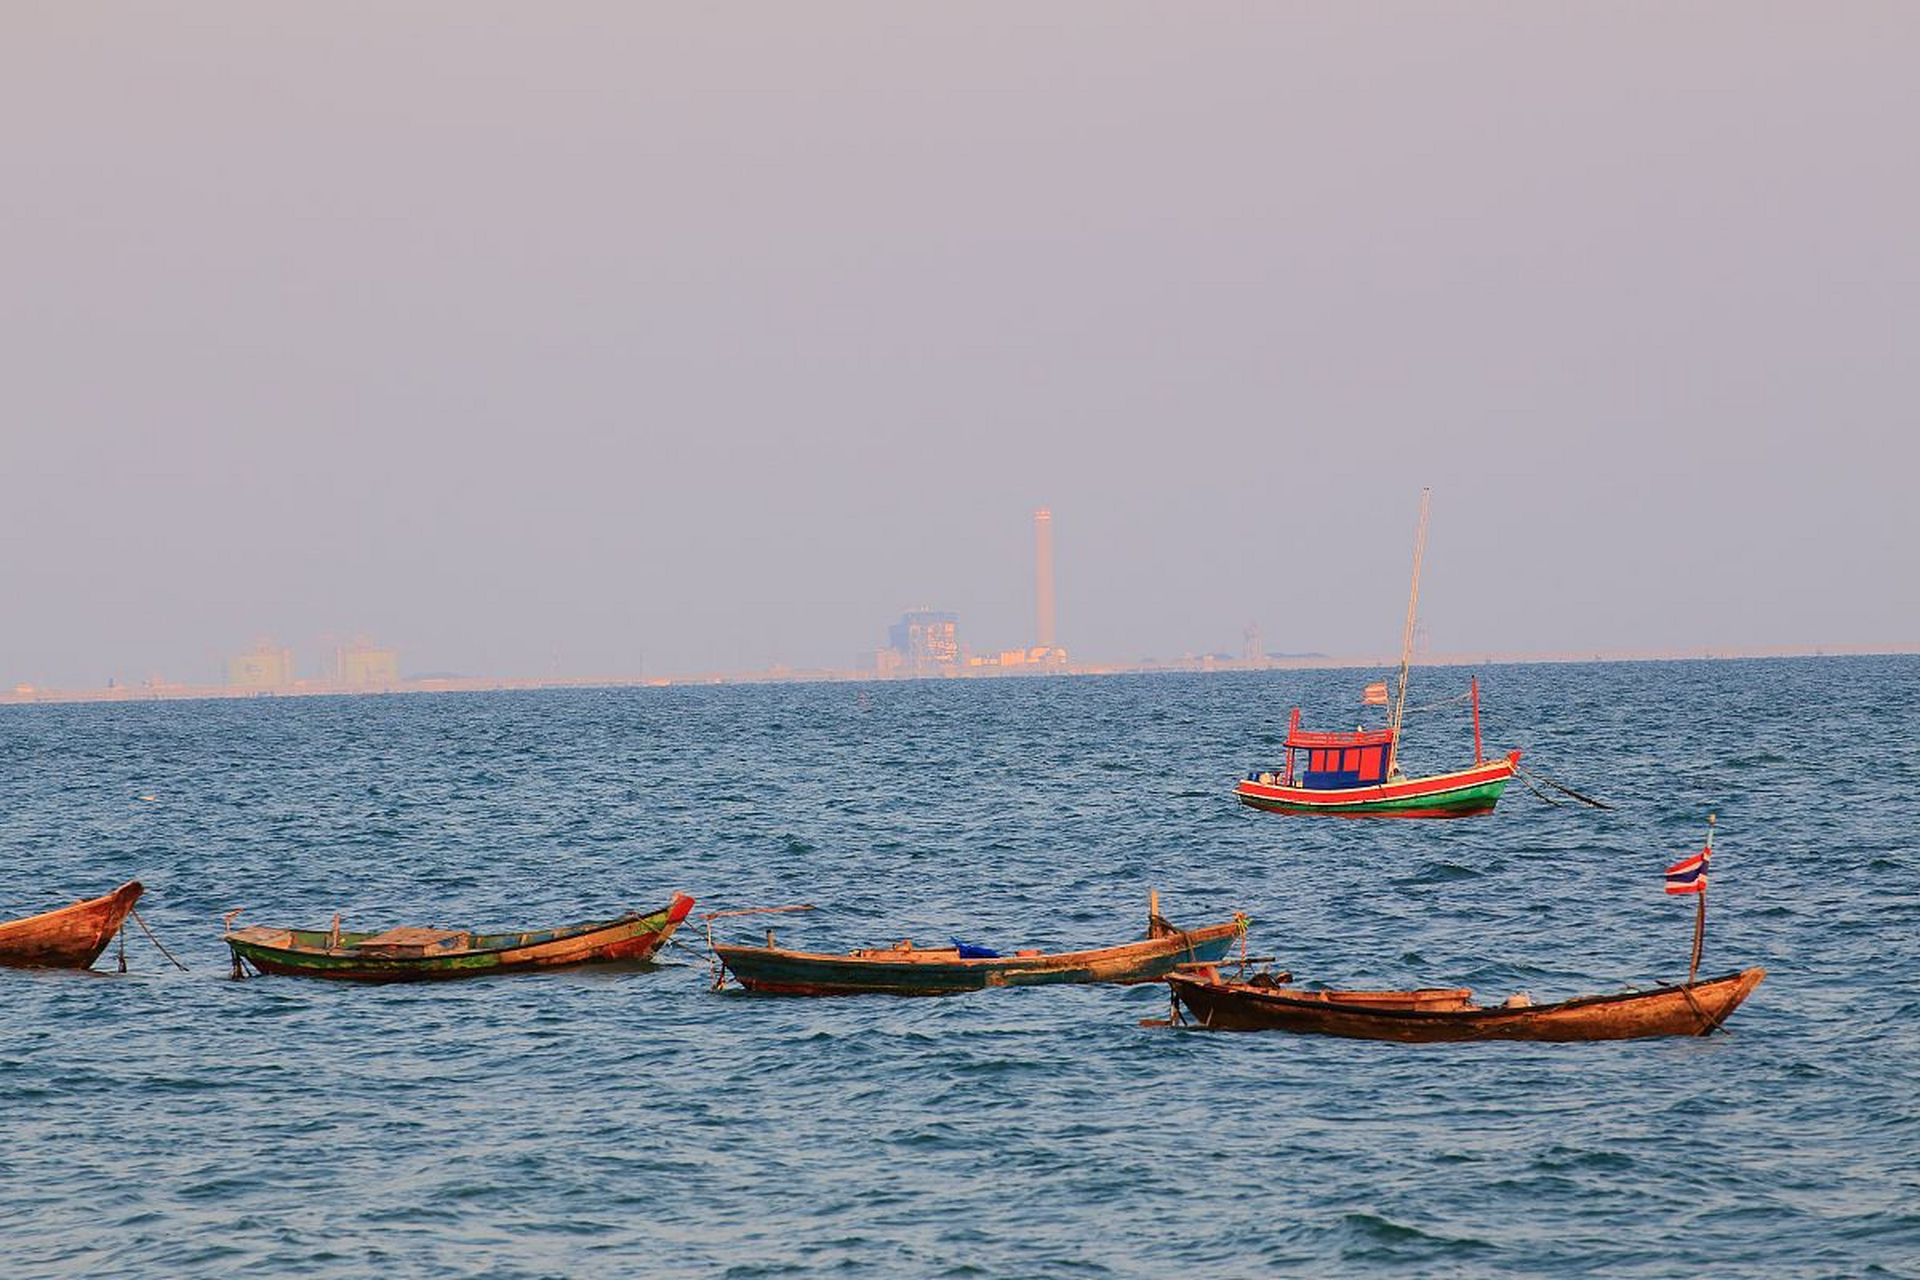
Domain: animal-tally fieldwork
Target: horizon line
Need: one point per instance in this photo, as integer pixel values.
(779, 673)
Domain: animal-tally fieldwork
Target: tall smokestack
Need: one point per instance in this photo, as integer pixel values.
(1043, 575)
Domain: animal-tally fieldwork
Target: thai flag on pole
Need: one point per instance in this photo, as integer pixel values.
(1375, 694)
(1689, 875)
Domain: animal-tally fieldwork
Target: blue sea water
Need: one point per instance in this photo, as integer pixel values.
(169, 1124)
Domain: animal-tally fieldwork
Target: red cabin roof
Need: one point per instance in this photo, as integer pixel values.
(1320, 741)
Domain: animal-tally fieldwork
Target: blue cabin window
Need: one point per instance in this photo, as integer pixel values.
(1332, 768)
(1331, 774)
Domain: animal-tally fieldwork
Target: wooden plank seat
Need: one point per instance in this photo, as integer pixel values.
(409, 941)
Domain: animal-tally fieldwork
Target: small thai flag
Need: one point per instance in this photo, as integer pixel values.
(1375, 694)
(1689, 875)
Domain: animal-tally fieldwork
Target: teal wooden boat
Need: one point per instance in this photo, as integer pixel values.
(424, 955)
(906, 970)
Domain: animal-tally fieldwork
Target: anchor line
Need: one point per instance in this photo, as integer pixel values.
(1709, 1023)
(1563, 788)
(154, 940)
(1527, 783)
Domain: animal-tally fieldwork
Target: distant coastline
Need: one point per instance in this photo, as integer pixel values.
(162, 691)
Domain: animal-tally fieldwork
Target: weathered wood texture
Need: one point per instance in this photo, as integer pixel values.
(936, 971)
(1421, 1017)
(68, 937)
(410, 954)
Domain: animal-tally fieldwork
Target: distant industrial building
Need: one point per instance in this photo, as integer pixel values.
(1037, 659)
(267, 666)
(365, 666)
(923, 640)
(927, 641)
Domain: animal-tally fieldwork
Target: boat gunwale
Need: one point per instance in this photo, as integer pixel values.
(33, 942)
(1478, 1015)
(102, 901)
(1432, 786)
(937, 958)
(556, 935)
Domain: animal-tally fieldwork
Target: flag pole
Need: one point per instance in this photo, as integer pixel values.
(1700, 908)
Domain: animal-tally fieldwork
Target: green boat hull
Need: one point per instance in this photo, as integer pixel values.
(1460, 794)
(775, 971)
(303, 953)
(1454, 804)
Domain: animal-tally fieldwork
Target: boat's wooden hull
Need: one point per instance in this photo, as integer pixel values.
(69, 937)
(775, 971)
(1448, 795)
(1694, 1010)
(305, 953)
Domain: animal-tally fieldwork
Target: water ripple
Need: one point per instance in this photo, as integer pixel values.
(166, 1123)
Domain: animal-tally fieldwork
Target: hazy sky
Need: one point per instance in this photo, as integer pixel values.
(562, 337)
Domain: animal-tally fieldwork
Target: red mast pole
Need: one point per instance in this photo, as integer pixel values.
(1293, 723)
(1474, 684)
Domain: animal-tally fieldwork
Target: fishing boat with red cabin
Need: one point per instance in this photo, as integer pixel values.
(1357, 774)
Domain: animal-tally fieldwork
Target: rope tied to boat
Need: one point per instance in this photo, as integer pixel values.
(1528, 784)
(1708, 1022)
(1442, 704)
(150, 937)
(714, 965)
(1560, 787)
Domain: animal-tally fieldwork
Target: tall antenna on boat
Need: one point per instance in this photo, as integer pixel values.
(1406, 640)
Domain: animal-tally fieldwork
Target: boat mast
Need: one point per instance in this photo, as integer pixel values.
(1406, 641)
(1700, 908)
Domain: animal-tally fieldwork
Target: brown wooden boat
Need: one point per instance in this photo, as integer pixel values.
(411, 954)
(68, 937)
(1449, 1014)
(907, 970)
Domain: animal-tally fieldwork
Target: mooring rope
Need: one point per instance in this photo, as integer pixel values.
(1544, 797)
(155, 941)
(715, 969)
(1562, 788)
(714, 964)
(1709, 1023)
(1454, 701)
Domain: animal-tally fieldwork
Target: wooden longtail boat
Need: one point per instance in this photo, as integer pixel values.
(421, 955)
(69, 937)
(1357, 775)
(1435, 1015)
(906, 970)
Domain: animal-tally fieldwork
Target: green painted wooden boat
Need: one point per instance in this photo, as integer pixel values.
(424, 955)
(1461, 794)
(1357, 775)
(906, 970)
